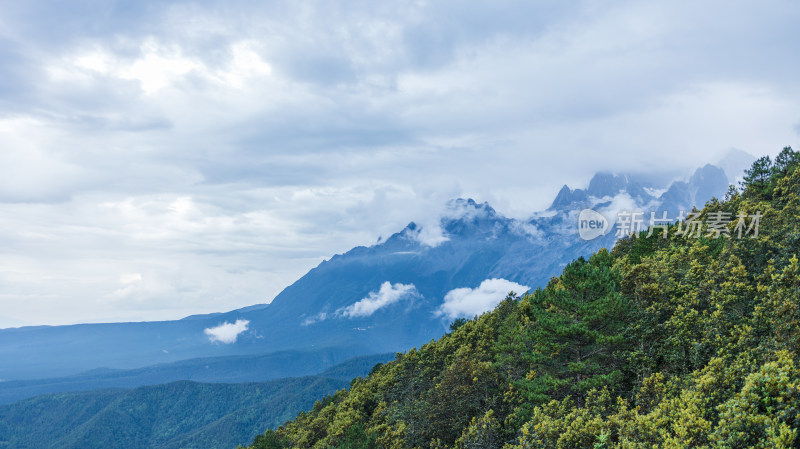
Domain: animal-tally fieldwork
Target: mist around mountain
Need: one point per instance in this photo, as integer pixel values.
(688, 340)
(391, 296)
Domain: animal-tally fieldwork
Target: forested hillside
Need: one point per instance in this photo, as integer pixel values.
(688, 340)
(177, 415)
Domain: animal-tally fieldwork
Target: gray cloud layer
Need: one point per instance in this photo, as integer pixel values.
(159, 159)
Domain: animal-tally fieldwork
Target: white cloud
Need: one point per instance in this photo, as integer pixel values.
(246, 64)
(468, 302)
(322, 316)
(618, 203)
(130, 278)
(159, 66)
(430, 234)
(388, 294)
(227, 332)
(528, 230)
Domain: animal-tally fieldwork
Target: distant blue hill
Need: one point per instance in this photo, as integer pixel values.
(175, 415)
(388, 297)
(235, 368)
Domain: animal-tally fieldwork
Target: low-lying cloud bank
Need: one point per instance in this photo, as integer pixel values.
(226, 332)
(387, 295)
(468, 302)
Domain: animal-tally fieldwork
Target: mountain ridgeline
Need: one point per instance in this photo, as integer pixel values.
(688, 340)
(383, 298)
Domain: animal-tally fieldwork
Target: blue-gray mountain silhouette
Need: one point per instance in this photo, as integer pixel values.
(312, 312)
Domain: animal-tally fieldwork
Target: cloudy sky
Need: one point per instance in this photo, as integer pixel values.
(159, 159)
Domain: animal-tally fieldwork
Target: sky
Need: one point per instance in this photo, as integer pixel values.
(166, 158)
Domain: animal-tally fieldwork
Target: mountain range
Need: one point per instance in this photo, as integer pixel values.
(390, 296)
